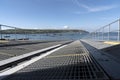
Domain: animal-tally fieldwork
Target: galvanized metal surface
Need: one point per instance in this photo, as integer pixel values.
(70, 63)
(17, 50)
(97, 44)
(109, 63)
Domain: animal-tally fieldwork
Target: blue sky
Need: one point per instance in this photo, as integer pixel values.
(59, 14)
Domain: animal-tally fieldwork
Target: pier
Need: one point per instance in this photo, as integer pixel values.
(95, 57)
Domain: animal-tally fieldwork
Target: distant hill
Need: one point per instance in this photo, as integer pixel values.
(37, 31)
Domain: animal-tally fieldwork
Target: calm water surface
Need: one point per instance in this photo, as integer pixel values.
(48, 36)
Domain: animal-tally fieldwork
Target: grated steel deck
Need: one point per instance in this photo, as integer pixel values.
(70, 63)
(12, 51)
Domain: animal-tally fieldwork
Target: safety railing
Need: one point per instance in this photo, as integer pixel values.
(110, 32)
(12, 33)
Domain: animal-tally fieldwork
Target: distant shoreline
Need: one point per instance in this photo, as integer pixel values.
(39, 31)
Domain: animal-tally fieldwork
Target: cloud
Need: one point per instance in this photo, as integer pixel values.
(102, 8)
(66, 27)
(109, 18)
(95, 9)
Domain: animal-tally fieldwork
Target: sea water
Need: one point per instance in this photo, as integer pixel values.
(45, 36)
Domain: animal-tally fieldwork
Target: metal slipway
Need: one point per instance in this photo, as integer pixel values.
(68, 62)
(11, 65)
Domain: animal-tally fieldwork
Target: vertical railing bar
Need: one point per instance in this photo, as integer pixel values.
(100, 38)
(98, 35)
(109, 32)
(15, 34)
(1, 32)
(95, 35)
(119, 30)
(25, 35)
(103, 33)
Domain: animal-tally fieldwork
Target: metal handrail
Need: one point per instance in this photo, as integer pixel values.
(9, 26)
(12, 27)
(101, 33)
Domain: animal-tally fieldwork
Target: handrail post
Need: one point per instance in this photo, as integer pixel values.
(95, 35)
(15, 34)
(92, 35)
(103, 34)
(1, 32)
(119, 30)
(108, 32)
(98, 35)
(25, 34)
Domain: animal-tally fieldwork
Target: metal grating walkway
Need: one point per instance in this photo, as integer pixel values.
(70, 63)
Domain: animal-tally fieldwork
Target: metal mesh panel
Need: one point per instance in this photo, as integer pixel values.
(61, 65)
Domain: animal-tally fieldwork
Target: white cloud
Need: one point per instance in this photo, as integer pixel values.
(102, 8)
(66, 27)
(97, 8)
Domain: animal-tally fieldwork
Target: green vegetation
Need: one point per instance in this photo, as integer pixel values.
(35, 31)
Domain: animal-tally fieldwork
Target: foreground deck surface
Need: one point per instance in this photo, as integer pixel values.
(72, 62)
(16, 48)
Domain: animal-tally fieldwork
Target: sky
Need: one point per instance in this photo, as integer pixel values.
(59, 14)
